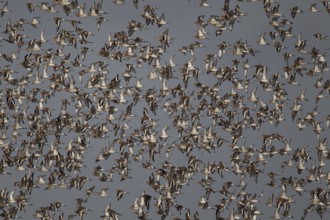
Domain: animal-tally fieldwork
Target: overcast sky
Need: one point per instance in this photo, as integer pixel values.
(181, 17)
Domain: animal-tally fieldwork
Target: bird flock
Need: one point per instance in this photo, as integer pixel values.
(126, 109)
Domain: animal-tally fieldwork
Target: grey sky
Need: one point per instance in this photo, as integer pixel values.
(181, 17)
